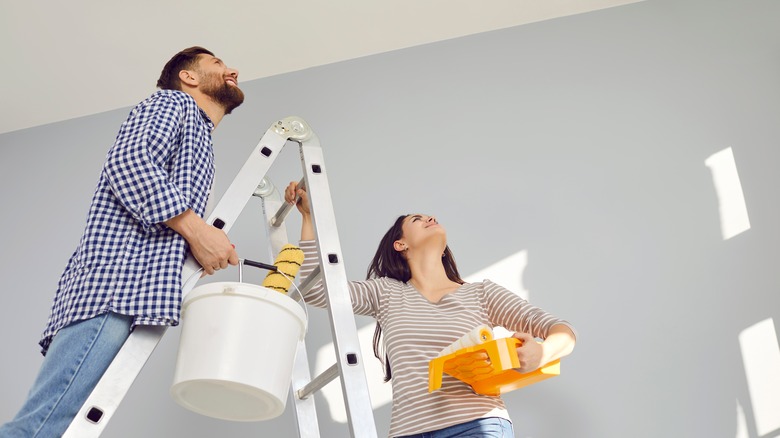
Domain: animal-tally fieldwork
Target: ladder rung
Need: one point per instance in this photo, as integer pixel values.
(311, 280)
(284, 210)
(319, 382)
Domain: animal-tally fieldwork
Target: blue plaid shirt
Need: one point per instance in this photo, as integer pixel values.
(128, 261)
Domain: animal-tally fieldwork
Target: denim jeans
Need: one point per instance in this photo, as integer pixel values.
(492, 427)
(78, 356)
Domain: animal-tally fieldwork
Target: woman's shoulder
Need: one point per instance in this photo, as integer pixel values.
(485, 286)
(477, 284)
(388, 282)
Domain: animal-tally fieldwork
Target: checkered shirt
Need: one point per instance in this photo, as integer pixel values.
(128, 261)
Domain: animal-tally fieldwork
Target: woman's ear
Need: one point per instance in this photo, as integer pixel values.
(399, 246)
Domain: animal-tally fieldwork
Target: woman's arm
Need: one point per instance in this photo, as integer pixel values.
(295, 196)
(509, 310)
(363, 294)
(559, 342)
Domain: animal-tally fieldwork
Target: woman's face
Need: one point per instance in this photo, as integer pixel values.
(419, 229)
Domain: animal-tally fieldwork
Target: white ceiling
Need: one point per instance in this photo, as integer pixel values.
(74, 58)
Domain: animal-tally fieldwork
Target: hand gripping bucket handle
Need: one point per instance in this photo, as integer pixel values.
(237, 348)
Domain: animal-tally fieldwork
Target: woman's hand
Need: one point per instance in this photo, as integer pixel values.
(298, 197)
(559, 342)
(529, 353)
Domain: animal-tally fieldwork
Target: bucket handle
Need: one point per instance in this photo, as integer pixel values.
(242, 262)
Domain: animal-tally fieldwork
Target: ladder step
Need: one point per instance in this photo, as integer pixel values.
(319, 382)
(285, 209)
(311, 280)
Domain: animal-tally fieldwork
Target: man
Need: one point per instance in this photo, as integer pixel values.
(145, 214)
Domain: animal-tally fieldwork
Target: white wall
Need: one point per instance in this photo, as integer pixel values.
(581, 141)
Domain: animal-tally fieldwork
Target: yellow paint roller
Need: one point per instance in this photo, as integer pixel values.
(288, 262)
(476, 336)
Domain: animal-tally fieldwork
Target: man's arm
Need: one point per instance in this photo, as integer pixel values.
(209, 245)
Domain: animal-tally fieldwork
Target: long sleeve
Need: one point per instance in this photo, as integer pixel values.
(365, 295)
(147, 167)
(128, 261)
(510, 311)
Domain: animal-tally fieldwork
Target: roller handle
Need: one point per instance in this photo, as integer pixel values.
(260, 265)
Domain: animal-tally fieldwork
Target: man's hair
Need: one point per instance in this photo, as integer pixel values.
(185, 60)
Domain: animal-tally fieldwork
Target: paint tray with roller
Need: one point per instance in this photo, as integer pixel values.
(492, 375)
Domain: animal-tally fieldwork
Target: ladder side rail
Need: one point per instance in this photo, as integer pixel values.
(276, 232)
(344, 330)
(248, 179)
(105, 398)
(102, 403)
(305, 410)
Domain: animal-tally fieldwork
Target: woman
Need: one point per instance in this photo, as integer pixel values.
(416, 295)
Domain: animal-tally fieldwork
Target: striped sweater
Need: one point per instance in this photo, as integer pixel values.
(415, 330)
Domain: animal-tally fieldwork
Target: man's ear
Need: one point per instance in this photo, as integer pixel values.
(188, 77)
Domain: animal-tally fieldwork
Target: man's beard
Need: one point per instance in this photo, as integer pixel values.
(228, 96)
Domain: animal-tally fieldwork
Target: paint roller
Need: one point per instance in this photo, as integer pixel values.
(287, 264)
(476, 336)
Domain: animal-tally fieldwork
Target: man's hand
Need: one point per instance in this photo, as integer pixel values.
(209, 245)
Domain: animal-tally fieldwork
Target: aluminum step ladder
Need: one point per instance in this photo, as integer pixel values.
(250, 181)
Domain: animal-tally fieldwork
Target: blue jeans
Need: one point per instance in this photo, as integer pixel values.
(492, 427)
(78, 356)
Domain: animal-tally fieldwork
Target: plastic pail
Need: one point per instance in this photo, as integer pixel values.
(236, 352)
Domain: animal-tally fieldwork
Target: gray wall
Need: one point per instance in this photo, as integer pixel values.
(580, 140)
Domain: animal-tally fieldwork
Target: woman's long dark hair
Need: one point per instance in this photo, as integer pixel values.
(388, 262)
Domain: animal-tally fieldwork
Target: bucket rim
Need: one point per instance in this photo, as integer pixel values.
(218, 290)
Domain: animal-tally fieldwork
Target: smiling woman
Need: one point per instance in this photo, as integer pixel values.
(422, 305)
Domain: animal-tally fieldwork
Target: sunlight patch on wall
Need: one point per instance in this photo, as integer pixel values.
(731, 200)
(761, 356)
(507, 272)
(742, 430)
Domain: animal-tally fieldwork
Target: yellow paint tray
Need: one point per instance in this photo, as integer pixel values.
(494, 375)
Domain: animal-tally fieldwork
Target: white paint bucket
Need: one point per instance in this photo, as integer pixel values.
(236, 352)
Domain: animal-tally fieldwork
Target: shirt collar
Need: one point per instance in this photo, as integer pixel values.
(206, 119)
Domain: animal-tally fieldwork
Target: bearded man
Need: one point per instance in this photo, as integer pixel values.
(146, 213)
